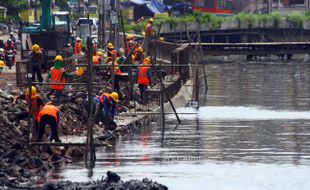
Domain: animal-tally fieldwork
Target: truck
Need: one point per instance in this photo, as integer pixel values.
(53, 33)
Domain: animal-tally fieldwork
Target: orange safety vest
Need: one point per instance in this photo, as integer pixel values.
(48, 110)
(57, 77)
(113, 54)
(117, 71)
(77, 48)
(101, 98)
(142, 75)
(34, 106)
(148, 29)
(96, 59)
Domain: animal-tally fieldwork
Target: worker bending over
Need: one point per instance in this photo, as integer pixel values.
(106, 108)
(49, 115)
(36, 105)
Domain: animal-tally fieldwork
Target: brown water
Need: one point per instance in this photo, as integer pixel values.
(252, 133)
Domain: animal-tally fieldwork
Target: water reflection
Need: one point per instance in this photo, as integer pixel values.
(255, 126)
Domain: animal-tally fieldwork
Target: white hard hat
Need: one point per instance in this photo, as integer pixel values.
(1, 49)
(78, 39)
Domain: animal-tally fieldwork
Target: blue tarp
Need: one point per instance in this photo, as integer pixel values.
(153, 5)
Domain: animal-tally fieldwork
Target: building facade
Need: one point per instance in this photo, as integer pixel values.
(220, 7)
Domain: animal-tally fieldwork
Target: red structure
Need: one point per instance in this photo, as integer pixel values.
(220, 7)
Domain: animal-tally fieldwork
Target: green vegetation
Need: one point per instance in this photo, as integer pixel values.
(14, 7)
(243, 19)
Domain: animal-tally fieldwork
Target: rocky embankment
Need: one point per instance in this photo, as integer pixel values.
(21, 165)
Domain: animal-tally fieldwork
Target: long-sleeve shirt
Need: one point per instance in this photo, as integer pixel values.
(108, 107)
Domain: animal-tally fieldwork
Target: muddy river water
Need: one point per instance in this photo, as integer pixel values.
(251, 132)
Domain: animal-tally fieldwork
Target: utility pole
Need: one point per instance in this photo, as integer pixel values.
(101, 32)
(307, 2)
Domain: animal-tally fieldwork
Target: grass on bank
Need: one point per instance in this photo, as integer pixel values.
(250, 20)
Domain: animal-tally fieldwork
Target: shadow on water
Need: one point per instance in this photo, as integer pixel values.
(254, 127)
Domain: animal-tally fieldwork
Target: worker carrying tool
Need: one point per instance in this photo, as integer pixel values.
(57, 76)
(144, 78)
(97, 59)
(77, 46)
(2, 64)
(111, 51)
(36, 60)
(49, 115)
(36, 105)
(106, 108)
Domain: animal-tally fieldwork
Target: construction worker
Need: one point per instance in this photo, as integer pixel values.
(144, 77)
(77, 46)
(117, 74)
(148, 27)
(111, 51)
(138, 53)
(36, 60)
(57, 75)
(129, 44)
(97, 58)
(2, 64)
(106, 108)
(49, 115)
(36, 106)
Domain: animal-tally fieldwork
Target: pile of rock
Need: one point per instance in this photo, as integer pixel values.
(112, 181)
(19, 164)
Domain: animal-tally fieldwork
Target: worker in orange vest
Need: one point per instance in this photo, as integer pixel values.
(77, 46)
(106, 108)
(36, 106)
(57, 76)
(144, 77)
(49, 115)
(97, 58)
(111, 51)
(148, 27)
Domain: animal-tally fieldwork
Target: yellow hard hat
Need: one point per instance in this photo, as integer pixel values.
(147, 61)
(140, 49)
(114, 96)
(99, 53)
(110, 46)
(33, 91)
(36, 48)
(143, 34)
(151, 20)
(128, 37)
(59, 58)
(79, 71)
(161, 39)
(133, 58)
(2, 64)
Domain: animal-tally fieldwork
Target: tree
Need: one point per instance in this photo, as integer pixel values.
(14, 6)
(63, 4)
